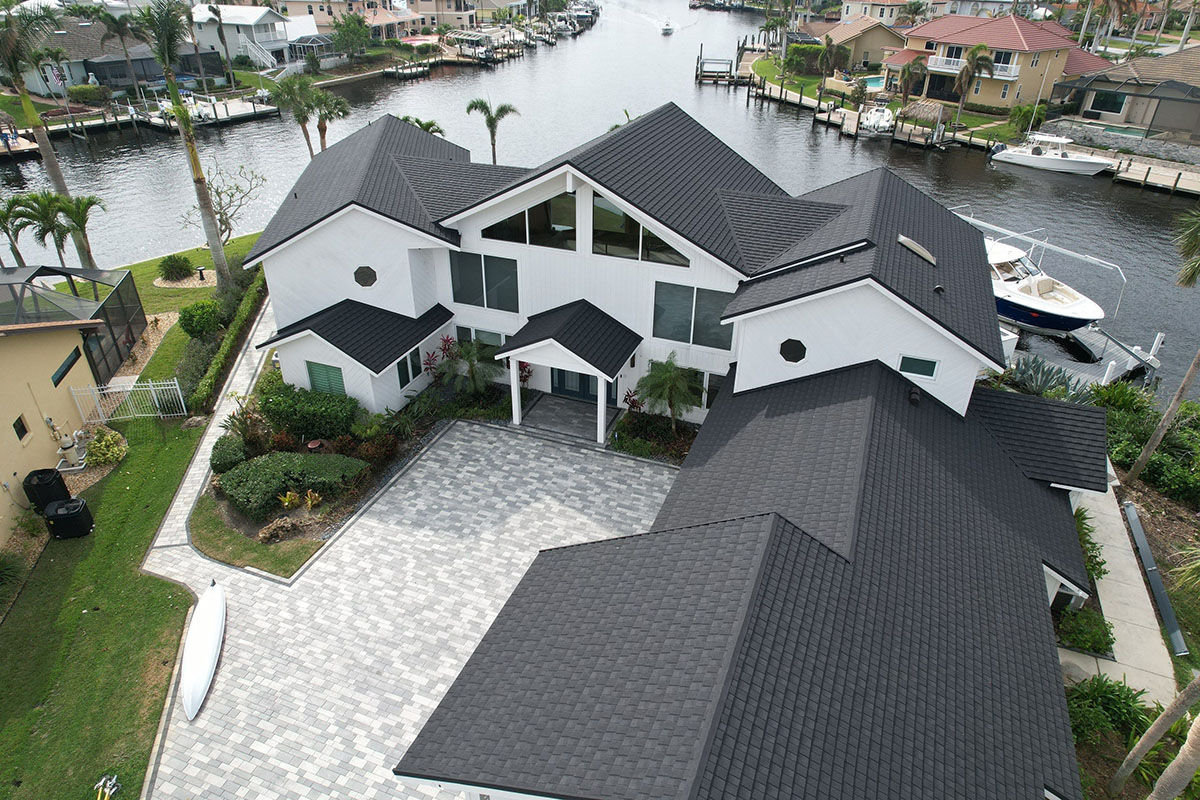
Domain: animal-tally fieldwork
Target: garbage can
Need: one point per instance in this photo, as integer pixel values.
(69, 519)
(43, 487)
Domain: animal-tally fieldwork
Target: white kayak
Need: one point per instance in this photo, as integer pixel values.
(202, 649)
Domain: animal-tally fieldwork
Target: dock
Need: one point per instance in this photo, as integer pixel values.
(408, 71)
(18, 146)
(1101, 357)
(723, 71)
(206, 111)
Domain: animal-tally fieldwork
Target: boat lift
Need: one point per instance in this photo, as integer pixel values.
(1093, 341)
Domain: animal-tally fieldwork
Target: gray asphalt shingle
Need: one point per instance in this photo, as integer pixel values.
(583, 329)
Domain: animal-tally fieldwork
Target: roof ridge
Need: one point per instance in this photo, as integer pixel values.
(416, 196)
(653, 531)
(860, 480)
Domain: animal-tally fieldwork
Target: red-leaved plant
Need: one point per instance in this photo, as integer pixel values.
(449, 348)
(525, 372)
(632, 401)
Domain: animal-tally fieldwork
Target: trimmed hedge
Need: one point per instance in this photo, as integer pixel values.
(200, 319)
(306, 414)
(91, 95)
(204, 396)
(253, 487)
(227, 453)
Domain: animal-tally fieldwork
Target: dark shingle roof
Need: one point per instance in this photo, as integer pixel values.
(372, 336)
(390, 167)
(583, 329)
(1052, 441)
(736, 654)
(880, 206)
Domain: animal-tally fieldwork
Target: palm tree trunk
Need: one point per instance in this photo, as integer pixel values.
(1087, 16)
(1187, 27)
(228, 60)
(322, 126)
(1169, 716)
(308, 140)
(208, 215)
(87, 249)
(12, 245)
(1161, 25)
(493, 149)
(1169, 417)
(61, 261)
(1180, 772)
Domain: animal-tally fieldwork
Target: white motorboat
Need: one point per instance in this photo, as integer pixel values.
(1031, 299)
(202, 649)
(1044, 151)
(877, 120)
(667, 28)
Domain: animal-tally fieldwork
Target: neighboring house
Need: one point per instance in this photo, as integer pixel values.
(1160, 95)
(484, 9)
(888, 11)
(258, 32)
(869, 40)
(386, 20)
(455, 13)
(1029, 58)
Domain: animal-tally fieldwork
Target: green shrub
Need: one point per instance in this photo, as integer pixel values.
(89, 95)
(175, 267)
(11, 570)
(1093, 553)
(243, 62)
(312, 64)
(193, 364)
(1123, 396)
(1086, 630)
(253, 487)
(269, 382)
(202, 397)
(307, 414)
(426, 30)
(1100, 704)
(200, 319)
(228, 451)
(425, 49)
(979, 108)
(107, 448)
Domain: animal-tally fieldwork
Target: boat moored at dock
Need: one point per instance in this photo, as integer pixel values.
(1029, 298)
(1044, 151)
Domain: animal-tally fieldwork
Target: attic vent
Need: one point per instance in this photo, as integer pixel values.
(916, 248)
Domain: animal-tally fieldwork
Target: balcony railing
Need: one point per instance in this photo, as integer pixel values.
(943, 64)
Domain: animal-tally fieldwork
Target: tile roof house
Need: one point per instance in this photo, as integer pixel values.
(847, 591)
(868, 38)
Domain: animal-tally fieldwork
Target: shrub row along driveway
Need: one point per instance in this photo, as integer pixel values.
(323, 683)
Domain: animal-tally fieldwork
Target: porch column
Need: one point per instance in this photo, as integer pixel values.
(514, 379)
(601, 407)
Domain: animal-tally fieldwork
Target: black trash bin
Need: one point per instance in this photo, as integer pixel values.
(43, 487)
(69, 519)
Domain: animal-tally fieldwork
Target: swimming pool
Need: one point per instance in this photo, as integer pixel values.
(875, 83)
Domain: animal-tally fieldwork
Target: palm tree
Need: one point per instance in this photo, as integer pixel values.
(1026, 118)
(190, 16)
(164, 24)
(491, 117)
(912, 72)
(975, 63)
(911, 12)
(54, 56)
(472, 370)
(1166, 719)
(9, 225)
(22, 29)
(77, 210)
(42, 211)
(1166, 12)
(124, 29)
(216, 12)
(328, 107)
(1187, 239)
(669, 387)
(295, 92)
(427, 125)
(1182, 769)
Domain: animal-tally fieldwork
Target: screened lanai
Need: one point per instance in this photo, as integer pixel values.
(30, 295)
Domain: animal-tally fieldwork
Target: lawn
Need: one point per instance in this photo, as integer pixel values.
(213, 537)
(161, 366)
(11, 104)
(253, 80)
(157, 299)
(805, 84)
(88, 648)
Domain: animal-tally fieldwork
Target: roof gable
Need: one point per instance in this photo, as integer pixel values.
(583, 330)
(1008, 33)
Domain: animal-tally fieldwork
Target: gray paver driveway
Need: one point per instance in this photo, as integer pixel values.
(323, 683)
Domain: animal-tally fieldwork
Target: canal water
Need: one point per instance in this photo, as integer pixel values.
(579, 89)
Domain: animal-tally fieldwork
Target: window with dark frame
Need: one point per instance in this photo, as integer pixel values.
(20, 428)
(65, 367)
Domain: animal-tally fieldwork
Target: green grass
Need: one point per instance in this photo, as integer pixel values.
(82, 693)
(157, 299)
(804, 84)
(11, 104)
(253, 80)
(161, 366)
(211, 536)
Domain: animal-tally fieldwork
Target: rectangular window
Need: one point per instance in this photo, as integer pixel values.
(1018, 97)
(65, 367)
(1034, 61)
(953, 51)
(978, 84)
(1004, 91)
(500, 281)
(552, 223)
(707, 329)
(20, 428)
(1002, 56)
(414, 362)
(921, 367)
(324, 378)
(689, 315)
(511, 229)
(1108, 102)
(462, 334)
(489, 338)
(614, 233)
(403, 370)
(714, 388)
(466, 278)
(486, 281)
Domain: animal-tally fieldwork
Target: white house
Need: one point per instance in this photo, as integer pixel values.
(258, 32)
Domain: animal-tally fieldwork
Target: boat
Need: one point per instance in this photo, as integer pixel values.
(667, 28)
(1044, 151)
(202, 649)
(877, 120)
(1029, 298)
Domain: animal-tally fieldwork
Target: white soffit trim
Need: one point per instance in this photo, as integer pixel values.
(1067, 582)
(494, 200)
(585, 366)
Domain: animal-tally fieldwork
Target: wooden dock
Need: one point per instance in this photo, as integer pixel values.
(1102, 358)
(207, 111)
(18, 147)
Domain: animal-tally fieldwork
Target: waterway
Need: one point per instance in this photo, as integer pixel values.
(579, 89)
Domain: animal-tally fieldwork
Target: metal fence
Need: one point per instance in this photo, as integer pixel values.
(116, 401)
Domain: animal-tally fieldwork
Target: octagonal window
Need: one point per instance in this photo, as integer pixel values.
(365, 276)
(792, 350)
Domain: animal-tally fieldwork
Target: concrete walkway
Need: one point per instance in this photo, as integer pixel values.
(1141, 656)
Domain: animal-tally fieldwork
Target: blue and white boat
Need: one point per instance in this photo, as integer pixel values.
(1030, 299)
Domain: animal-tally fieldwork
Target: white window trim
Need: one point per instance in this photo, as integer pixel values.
(937, 363)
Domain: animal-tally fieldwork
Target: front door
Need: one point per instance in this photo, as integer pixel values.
(579, 385)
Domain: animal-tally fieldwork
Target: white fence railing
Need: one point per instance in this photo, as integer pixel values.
(116, 401)
(943, 64)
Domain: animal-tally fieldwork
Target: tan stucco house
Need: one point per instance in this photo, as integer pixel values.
(869, 40)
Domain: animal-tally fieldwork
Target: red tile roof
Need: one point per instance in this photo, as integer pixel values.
(1081, 62)
(1003, 33)
(943, 26)
(899, 59)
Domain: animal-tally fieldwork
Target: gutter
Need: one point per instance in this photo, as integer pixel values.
(1154, 578)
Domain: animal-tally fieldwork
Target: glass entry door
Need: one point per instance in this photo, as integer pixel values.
(580, 386)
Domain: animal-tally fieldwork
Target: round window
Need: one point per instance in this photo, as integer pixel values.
(364, 276)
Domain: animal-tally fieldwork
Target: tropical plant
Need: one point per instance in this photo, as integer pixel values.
(1166, 718)
(1028, 117)
(23, 27)
(976, 62)
(328, 107)
(1036, 375)
(669, 387)
(175, 267)
(215, 10)
(1093, 553)
(77, 211)
(912, 12)
(10, 226)
(351, 34)
(1179, 774)
(472, 369)
(858, 93)
(295, 93)
(427, 125)
(124, 28)
(911, 73)
(1166, 12)
(163, 23)
(833, 57)
(42, 211)
(1187, 240)
(191, 21)
(312, 64)
(1140, 50)
(491, 117)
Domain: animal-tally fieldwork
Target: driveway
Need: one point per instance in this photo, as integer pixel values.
(324, 682)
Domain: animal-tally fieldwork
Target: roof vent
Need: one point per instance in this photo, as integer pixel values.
(939, 289)
(914, 396)
(917, 248)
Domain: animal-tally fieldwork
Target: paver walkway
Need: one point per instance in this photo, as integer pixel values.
(325, 681)
(1141, 656)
